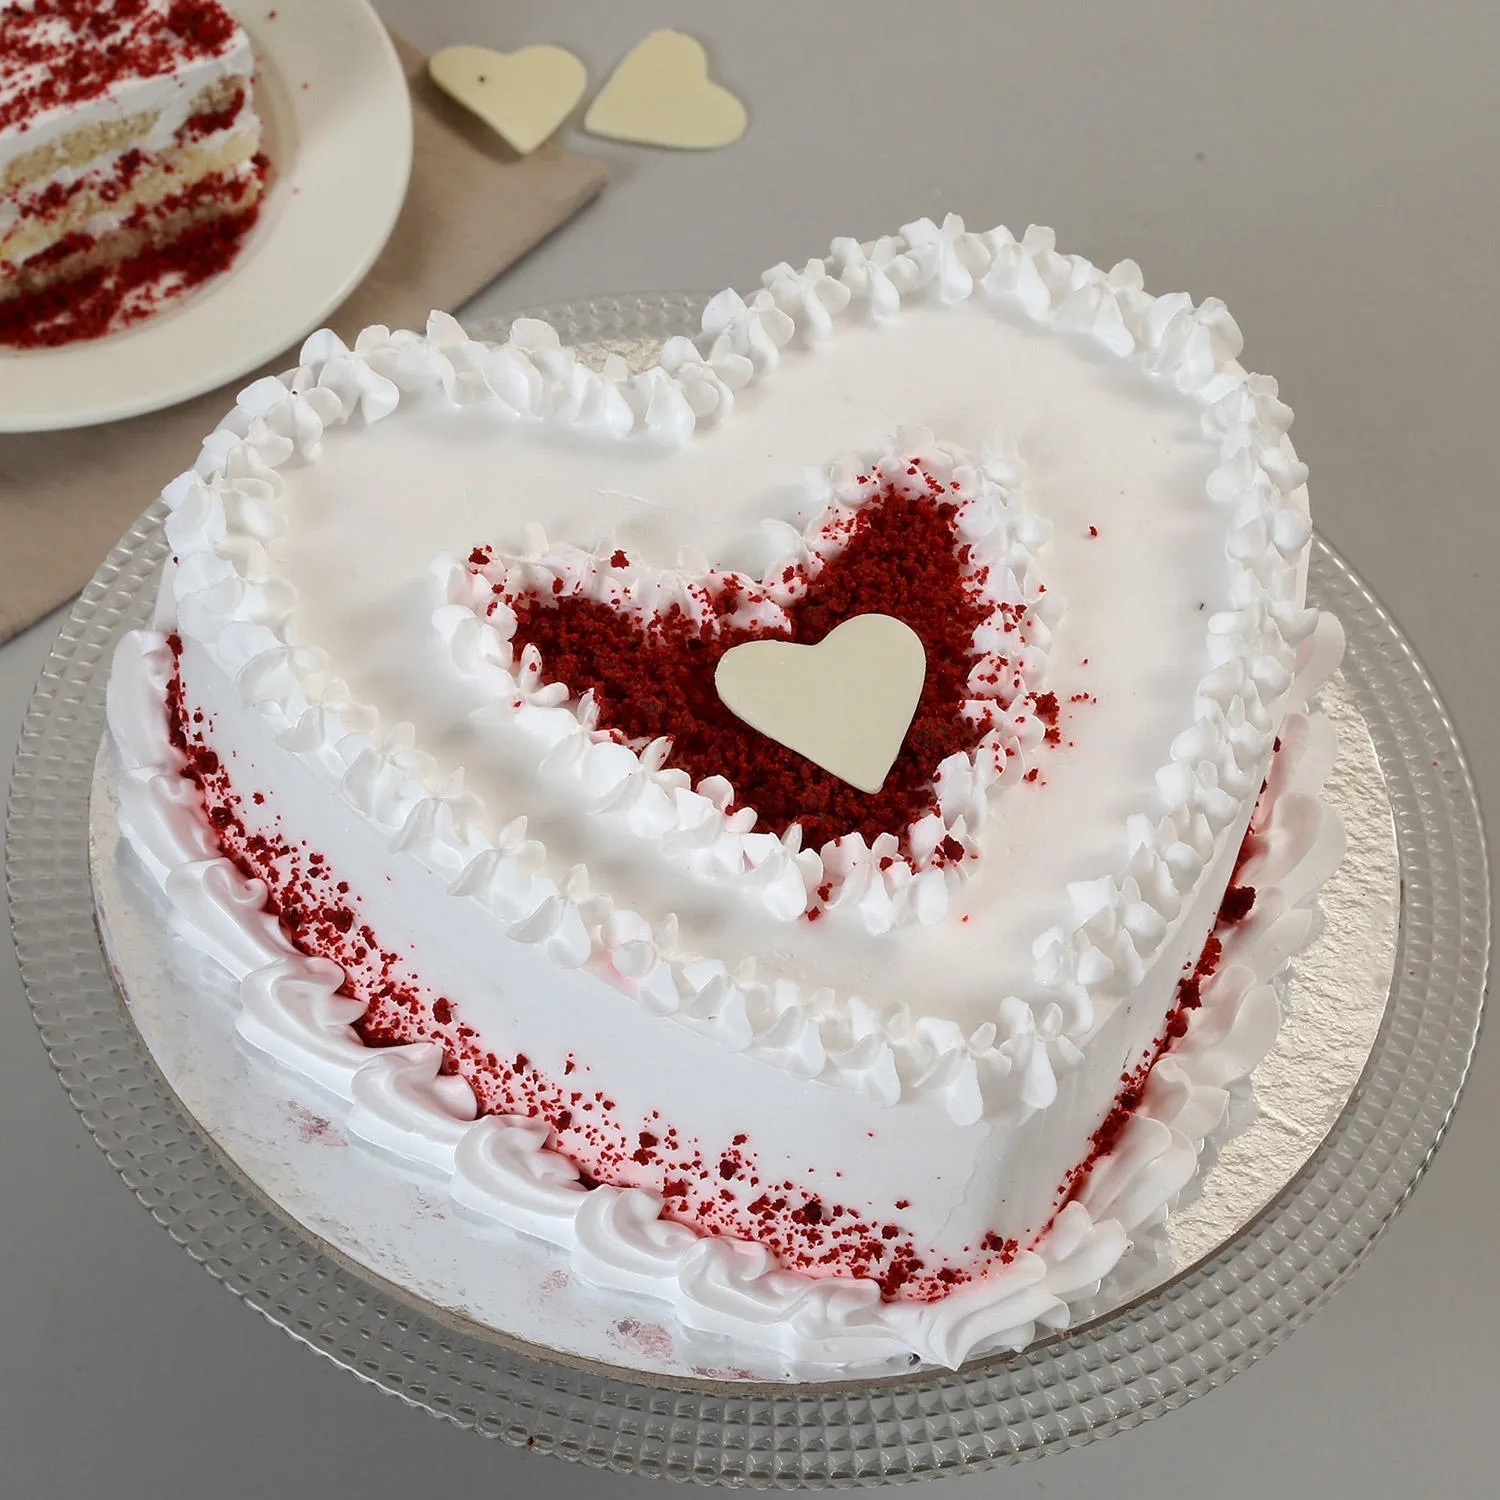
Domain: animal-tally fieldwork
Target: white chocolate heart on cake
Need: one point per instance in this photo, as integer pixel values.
(844, 702)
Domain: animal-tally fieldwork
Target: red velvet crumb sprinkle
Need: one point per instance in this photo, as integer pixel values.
(1233, 910)
(58, 54)
(716, 1188)
(810, 1233)
(655, 678)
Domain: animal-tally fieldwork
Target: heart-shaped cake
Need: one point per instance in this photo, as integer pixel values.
(429, 748)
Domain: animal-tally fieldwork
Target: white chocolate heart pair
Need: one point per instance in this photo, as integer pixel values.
(660, 95)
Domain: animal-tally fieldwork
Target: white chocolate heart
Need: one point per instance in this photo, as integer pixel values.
(845, 703)
(522, 96)
(660, 95)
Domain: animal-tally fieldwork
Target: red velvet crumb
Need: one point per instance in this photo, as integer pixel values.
(113, 297)
(656, 678)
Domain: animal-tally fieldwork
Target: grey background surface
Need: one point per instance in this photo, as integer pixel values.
(1329, 169)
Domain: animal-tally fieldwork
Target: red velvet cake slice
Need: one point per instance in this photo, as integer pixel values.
(126, 126)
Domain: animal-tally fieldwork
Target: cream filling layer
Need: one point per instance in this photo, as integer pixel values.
(97, 208)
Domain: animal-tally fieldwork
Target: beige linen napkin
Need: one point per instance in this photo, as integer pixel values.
(473, 208)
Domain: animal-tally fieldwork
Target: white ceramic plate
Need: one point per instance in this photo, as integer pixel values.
(337, 114)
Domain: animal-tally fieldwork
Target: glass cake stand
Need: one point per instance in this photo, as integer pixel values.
(1188, 1337)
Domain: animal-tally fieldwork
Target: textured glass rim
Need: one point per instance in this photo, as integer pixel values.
(1145, 1359)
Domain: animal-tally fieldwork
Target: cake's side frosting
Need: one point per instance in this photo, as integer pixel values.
(499, 1169)
(948, 1141)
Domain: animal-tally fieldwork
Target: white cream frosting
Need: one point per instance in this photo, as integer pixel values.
(500, 1169)
(169, 96)
(1002, 1086)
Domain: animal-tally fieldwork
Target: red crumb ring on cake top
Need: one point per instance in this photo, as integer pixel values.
(59, 54)
(809, 1232)
(899, 555)
(113, 297)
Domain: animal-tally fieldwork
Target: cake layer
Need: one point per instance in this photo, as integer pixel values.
(86, 147)
(543, 917)
(130, 200)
